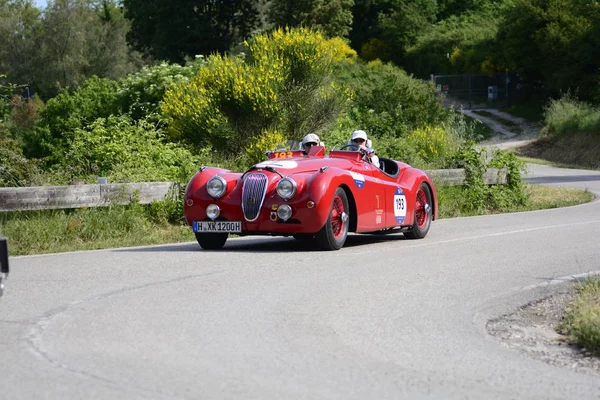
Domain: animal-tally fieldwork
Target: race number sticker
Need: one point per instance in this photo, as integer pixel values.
(359, 179)
(284, 164)
(399, 206)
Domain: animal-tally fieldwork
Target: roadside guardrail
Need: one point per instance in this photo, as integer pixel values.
(104, 194)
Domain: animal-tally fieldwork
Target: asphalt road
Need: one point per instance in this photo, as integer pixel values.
(270, 318)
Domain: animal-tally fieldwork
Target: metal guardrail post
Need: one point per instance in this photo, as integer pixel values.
(3, 263)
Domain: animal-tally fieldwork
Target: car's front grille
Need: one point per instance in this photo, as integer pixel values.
(253, 195)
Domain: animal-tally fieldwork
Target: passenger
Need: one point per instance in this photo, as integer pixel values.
(359, 138)
(310, 140)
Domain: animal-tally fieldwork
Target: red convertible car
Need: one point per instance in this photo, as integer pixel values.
(310, 196)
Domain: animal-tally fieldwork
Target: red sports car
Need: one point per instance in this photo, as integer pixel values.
(310, 196)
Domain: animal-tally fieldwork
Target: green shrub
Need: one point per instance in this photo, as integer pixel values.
(568, 115)
(388, 102)
(15, 169)
(481, 198)
(433, 144)
(126, 151)
(72, 110)
(141, 94)
(458, 44)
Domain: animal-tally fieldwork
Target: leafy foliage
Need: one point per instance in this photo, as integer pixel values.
(125, 151)
(387, 101)
(567, 116)
(481, 198)
(69, 111)
(458, 44)
(554, 44)
(15, 169)
(140, 94)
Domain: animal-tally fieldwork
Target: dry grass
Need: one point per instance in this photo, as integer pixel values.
(544, 197)
(576, 151)
(582, 317)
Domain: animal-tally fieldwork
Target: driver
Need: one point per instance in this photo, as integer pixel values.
(359, 138)
(310, 140)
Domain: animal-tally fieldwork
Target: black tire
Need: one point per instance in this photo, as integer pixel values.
(211, 241)
(335, 231)
(423, 213)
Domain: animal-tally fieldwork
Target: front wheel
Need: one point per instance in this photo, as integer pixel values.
(211, 241)
(335, 231)
(423, 213)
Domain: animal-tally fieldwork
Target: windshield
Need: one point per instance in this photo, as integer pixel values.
(290, 145)
(346, 147)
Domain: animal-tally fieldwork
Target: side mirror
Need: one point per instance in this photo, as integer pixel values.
(3, 263)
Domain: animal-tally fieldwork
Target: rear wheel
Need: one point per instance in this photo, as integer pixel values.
(211, 241)
(335, 231)
(423, 214)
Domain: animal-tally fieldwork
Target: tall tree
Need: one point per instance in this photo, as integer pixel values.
(175, 29)
(332, 17)
(385, 28)
(20, 30)
(83, 38)
(554, 44)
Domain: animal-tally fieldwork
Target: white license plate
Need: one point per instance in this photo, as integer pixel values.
(217, 226)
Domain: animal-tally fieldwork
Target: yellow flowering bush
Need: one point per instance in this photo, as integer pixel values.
(432, 143)
(268, 140)
(282, 83)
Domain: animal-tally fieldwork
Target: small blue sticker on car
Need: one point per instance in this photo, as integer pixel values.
(359, 179)
(399, 206)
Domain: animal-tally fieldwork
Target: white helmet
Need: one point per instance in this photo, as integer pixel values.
(310, 140)
(359, 135)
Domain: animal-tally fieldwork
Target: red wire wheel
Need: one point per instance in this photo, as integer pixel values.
(337, 220)
(333, 234)
(423, 213)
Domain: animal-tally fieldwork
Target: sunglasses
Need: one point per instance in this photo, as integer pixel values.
(310, 144)
(358, 140)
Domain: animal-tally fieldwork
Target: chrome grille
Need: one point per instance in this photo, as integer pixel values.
(253, 195)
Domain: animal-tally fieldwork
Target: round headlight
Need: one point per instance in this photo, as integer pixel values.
(286, 188)
(216, 186)
(213, 211)
(284, 212)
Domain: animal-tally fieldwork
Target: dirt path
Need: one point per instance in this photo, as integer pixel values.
(504, 137)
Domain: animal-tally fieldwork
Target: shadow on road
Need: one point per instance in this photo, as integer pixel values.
(268, 244)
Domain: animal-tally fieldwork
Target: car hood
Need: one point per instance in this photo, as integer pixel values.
(304, 164)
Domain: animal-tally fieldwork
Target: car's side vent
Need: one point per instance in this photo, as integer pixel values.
(253, 195)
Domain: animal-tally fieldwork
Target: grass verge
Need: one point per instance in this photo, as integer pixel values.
(55, 231)
(581, 321)
(539, 198)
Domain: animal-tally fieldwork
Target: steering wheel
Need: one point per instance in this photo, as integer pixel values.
(351, 147)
